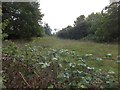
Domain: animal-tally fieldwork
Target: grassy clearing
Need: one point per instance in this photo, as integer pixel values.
(71, 55)
(99, 50)
(82, 48)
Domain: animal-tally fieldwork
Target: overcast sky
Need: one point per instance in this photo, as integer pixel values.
(61, 13)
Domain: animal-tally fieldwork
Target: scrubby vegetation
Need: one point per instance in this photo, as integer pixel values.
(57, 67)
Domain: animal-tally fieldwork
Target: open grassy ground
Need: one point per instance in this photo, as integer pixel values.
(71, 55)
(82, 48)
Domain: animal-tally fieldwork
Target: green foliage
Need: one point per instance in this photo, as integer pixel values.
(111, 18)
(94, 25)
(24, 19)
(47, 29)
(53, 68)
(3, 26)
(77, 32)
(100, 27)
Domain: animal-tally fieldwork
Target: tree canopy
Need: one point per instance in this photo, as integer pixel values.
(100, 27)
(24, 19)
(77, 32)
(48, 30)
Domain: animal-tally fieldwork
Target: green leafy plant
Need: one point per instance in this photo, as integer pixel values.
(53, 68)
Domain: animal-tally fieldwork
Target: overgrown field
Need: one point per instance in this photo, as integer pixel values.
(50, 62)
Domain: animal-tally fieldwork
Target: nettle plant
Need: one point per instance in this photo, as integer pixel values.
(55, 68)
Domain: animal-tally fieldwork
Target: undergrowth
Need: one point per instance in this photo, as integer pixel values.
(34, 67)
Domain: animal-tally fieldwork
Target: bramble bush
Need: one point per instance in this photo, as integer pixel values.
(34, 67)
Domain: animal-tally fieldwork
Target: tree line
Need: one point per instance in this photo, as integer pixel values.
(22, 20)
(100, 27)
